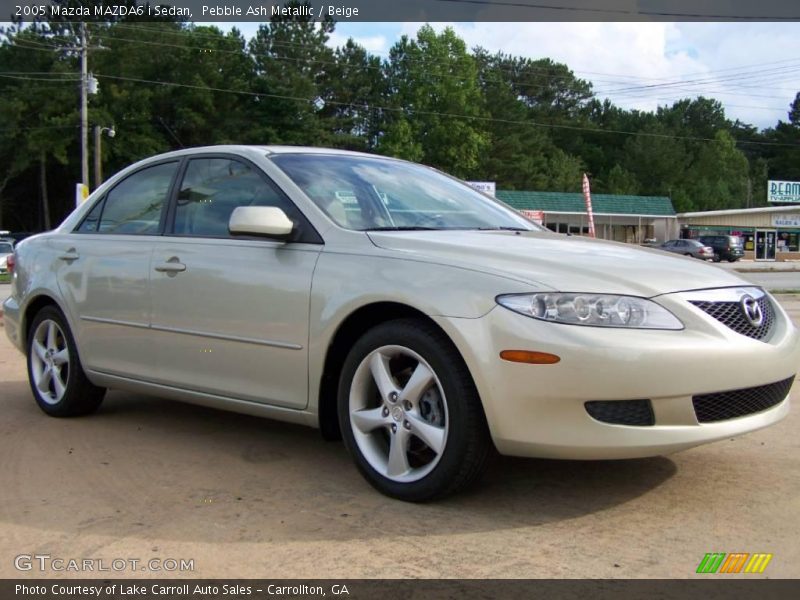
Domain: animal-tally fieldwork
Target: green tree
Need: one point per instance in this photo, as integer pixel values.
(291, 60)
(39, 128)
(434, 87)
(621, 181)
(355, 91)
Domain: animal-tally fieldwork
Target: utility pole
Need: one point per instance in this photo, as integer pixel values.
(84, 106)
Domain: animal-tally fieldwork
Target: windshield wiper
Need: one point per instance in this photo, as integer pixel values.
(404, 228)
(503, 229)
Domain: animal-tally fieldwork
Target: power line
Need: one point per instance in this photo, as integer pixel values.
(182, 32)
(622, 91)
(442, 114)
(38, 127)
(185, 32)
(48, 80)
(630, 91)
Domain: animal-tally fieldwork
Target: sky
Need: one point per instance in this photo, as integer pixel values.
(752, 68)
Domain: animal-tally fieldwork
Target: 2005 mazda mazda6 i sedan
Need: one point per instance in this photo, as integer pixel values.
(395, 306)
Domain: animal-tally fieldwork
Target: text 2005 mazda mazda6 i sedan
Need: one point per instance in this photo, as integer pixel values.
(395, 306)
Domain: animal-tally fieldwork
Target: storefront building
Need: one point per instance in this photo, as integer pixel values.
(769, 234)
(631, 219)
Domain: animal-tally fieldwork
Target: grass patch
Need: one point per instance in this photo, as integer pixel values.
(785, 291)
(5, 278)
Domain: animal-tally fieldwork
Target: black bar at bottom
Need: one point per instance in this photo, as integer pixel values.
(711, 587)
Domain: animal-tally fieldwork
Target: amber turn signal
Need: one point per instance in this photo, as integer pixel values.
(529, 357)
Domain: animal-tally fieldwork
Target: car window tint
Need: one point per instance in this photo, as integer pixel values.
(134, 206)
(90, 221)
(213, 187)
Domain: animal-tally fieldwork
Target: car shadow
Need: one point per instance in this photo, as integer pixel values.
(150, 468)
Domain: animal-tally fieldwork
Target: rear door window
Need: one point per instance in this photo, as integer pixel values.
(135, 205)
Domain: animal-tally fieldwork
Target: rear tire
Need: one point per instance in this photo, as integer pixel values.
(55, 374)
(409, 412)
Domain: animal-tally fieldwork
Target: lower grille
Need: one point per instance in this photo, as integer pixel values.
(722, 406)
(621, 412)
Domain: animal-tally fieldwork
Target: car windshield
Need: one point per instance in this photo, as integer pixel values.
(372, 194)
(5, 248)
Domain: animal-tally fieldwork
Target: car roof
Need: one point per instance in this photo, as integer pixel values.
(266, 149)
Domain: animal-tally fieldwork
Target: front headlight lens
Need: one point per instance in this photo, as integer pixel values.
(595, 310)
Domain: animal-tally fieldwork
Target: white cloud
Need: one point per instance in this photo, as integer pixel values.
(616, 57)
(375, 44)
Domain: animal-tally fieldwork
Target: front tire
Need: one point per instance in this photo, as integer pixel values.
(409, 412)
(55, 374)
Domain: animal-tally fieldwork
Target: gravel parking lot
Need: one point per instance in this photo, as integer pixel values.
(243, 497)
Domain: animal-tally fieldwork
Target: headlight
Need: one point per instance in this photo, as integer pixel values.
(594, 310)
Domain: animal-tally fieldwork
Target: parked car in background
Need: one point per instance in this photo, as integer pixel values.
(6, 250)
(726, 247)
(689, 248)
(392, 306)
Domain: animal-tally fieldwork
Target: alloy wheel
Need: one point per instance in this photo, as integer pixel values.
(398, 413)
(50, 361)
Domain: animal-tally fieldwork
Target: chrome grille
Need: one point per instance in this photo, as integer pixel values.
(731, 314)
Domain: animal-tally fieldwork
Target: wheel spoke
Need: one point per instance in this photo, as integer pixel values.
(432, 436)
(43, 384)
(58, 385)
(398, 459)
(420, 380)
(51, 336)
(368, 419)
(61, 357)
(40, 350)
(379, 367)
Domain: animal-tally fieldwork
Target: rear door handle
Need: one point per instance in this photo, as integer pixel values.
(70, 255)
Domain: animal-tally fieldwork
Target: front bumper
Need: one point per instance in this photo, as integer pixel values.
(539, 410)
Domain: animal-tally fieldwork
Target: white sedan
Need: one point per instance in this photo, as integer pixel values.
(391, 305)
(6, 250)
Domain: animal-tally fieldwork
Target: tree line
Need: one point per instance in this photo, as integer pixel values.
(527, 124)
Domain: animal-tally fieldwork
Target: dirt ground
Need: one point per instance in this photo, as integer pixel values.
(243, 497)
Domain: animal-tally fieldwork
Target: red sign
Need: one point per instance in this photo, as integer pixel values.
(537, 216)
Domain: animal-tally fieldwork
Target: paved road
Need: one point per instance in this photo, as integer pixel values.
(244, 497)
(775, 280)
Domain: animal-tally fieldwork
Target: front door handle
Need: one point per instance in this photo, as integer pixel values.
(172, 266)
(70, 255)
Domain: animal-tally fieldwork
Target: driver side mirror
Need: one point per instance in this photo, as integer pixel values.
(266, 221)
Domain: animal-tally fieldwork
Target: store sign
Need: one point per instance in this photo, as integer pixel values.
(783, 191)
(786, 220)
(537, 216)
(488, 187)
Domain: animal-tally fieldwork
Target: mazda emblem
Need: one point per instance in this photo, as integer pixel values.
(752, 310)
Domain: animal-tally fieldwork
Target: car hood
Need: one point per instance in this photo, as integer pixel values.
(562, 263)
